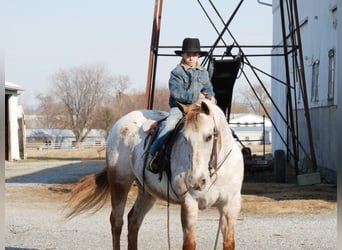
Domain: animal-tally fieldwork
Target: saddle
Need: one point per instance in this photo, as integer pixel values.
(163, 154)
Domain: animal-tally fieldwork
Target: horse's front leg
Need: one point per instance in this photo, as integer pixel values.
(189, 214)
(227, 228)
(228, 217)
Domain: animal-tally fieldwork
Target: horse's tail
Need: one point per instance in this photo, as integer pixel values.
(91, 192)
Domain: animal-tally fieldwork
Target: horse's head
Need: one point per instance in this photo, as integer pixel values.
(201, 133)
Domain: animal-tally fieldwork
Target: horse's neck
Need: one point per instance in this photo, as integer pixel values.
(226, 136)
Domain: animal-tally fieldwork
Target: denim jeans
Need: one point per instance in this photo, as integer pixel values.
(166, 127)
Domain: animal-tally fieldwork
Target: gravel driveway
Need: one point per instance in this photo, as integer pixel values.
(34, 218)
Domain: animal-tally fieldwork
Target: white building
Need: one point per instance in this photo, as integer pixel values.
(251, 128)
(14, 123)
(62, 138)
(319, 25)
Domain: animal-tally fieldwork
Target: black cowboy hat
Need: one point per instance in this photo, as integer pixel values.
(191, 45)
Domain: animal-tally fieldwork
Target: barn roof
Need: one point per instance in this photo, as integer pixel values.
(248, 119)
(11, 88)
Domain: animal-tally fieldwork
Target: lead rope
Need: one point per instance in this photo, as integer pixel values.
(213, 165)
(168, 216)
(216, 167)
(217, 234)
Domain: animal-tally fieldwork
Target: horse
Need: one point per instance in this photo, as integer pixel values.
(206, 167)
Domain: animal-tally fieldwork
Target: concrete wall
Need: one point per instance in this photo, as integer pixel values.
(325, 137)
(319, 32)
(339, 122)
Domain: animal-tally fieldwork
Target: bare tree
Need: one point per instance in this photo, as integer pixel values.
(113, 107)
(121, 83)
(257, 100)
(239, 107)
(50, 112)
(123, 103)
(82, 100)
(81, 90)
(161, 99)
(105, 118)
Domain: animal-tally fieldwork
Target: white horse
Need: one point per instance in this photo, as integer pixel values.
(206, 171)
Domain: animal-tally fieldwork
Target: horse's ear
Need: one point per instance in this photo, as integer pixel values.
(183, 107)
(205, 108)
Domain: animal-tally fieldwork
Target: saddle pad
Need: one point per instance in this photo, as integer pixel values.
(147, 125)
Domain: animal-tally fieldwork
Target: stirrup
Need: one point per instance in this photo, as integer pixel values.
(153, 164)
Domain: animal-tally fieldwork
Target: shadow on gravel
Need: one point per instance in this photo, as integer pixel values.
(260, 184)
(59, 174)
(283, 191)
(263, 183)
(19, 248)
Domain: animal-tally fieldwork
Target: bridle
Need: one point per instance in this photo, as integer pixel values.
(213, 157)
(214, 166)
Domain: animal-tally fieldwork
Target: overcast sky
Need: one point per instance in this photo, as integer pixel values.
(43, 36)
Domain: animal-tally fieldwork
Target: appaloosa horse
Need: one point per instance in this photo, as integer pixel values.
(206, 169)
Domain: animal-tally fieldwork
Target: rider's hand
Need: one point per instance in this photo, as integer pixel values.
(201, 95)
(213, 100)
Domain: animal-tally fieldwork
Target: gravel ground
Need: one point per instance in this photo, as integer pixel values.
(36, 221)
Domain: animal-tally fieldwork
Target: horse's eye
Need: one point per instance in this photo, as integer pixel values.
(208, 138)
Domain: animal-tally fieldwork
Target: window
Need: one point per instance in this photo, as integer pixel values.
(314, 85)
(48, 143)
(331, 75)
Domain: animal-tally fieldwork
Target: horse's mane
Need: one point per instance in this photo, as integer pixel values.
(191, 117)
(193, 111)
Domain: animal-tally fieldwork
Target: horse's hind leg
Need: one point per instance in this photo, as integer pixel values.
(119, 192)
(142, 205)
